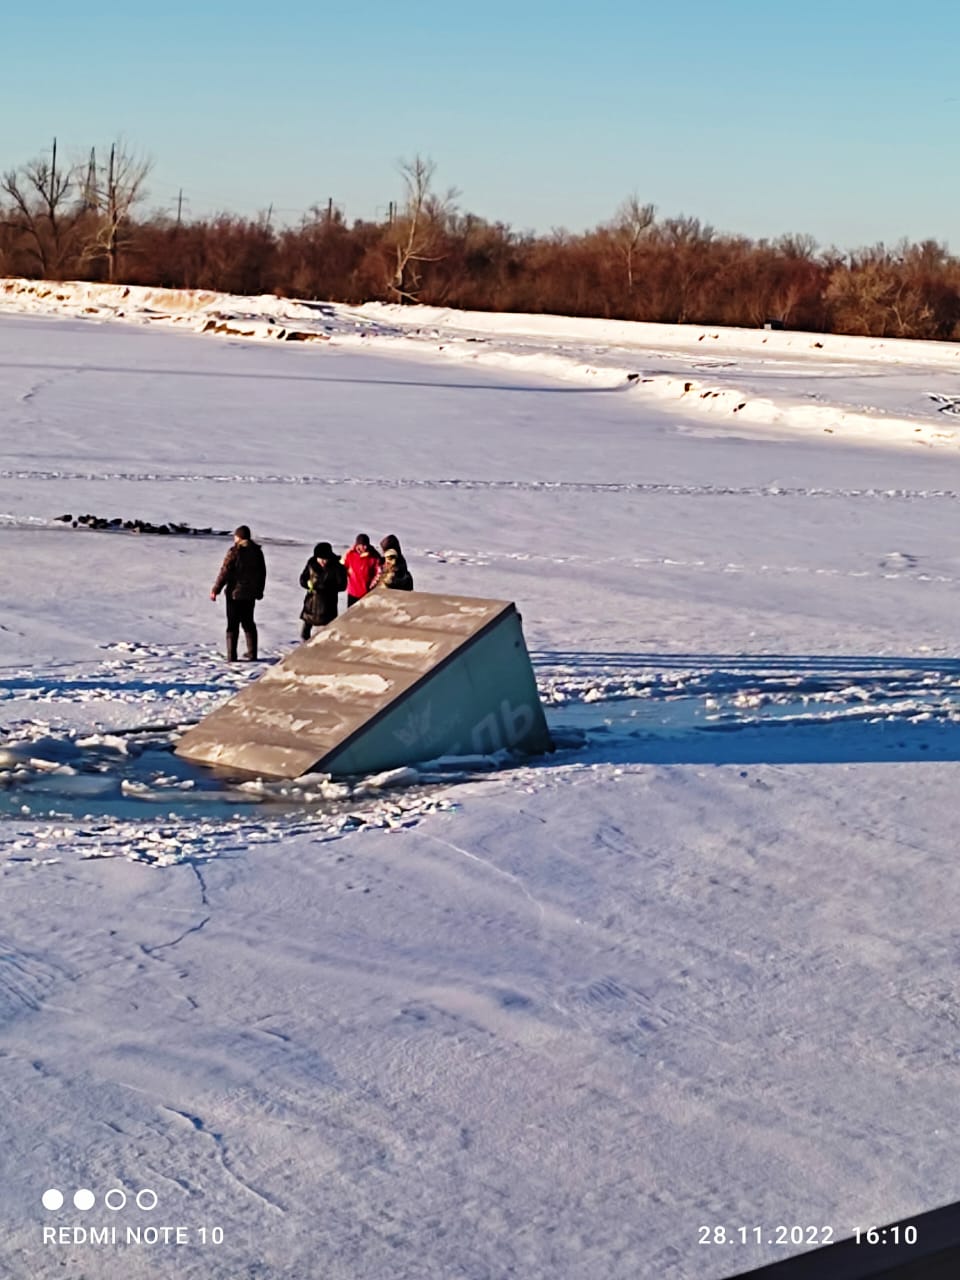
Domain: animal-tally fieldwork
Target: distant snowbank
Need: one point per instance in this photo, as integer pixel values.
(199, 309)
(602, 354)
(641, 335)
(277, 316)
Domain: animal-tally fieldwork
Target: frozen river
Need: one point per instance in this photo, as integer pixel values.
(696, 969)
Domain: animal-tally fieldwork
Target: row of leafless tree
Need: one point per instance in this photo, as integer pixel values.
(61, 222)
(58, 220)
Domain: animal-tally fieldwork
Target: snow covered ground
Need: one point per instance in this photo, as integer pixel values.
(696, 969)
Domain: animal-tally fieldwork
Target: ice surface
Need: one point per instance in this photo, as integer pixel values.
(696, 968)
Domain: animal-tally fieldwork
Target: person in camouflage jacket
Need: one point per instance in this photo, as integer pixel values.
(242, 579)
(394, 574)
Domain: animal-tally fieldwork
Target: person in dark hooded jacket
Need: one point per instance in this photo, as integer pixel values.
(242, 578)
(395, 575)
(323, 578)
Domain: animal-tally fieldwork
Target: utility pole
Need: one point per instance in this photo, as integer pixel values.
(90, 186)
(179, 206)
(329, 210)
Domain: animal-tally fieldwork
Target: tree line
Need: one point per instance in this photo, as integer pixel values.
(88, 222)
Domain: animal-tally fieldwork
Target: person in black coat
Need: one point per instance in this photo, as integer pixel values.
(323, 578)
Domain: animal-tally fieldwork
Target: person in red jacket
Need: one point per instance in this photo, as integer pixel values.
(362, 563)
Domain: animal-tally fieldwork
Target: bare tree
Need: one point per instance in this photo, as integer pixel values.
(416, 234)
(40, 195)
(797, 245)
(688, 241)
(631, 221)
(119, 186)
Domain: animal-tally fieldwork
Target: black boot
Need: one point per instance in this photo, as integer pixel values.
(251, 638)
(231, 646)
(306, 631)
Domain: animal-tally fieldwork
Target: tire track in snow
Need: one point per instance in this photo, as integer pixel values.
(645, 488)
(892, 565)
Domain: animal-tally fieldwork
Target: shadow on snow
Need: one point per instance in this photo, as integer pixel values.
(436, 384)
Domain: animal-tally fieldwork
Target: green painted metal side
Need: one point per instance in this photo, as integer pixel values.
(484, 699)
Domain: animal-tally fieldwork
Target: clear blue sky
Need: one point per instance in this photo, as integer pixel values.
(839, 118)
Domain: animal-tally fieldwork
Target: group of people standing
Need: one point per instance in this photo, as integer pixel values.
(362, 568)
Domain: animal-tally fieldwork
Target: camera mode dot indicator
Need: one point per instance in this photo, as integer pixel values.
(84, 1199)
(52, 1199)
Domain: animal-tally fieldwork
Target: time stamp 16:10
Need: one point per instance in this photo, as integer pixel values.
(812, 1237)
